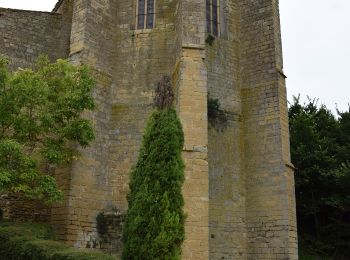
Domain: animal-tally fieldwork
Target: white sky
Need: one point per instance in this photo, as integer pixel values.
(41, 5)
(316, 45)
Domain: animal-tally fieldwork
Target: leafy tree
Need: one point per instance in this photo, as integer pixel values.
(41, 123)
(154, 227)
(320, 148)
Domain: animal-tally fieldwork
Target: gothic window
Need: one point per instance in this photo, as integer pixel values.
(145, 14)
(213, 11)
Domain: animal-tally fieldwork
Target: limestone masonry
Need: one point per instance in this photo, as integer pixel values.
(239, 187)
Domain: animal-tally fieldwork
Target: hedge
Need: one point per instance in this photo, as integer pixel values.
(30, 242)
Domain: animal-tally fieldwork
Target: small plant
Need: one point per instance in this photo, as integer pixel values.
(210, 39)
(213, 107)
(216, 116)
(102, 224)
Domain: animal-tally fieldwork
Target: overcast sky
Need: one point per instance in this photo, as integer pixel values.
(316, 45)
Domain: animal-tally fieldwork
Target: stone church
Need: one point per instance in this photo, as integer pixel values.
(239, 187)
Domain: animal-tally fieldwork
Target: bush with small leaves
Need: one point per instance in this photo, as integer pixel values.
(41, 123)
(154, 227)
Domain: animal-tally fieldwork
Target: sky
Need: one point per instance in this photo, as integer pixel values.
(40, 5)
(316, 47)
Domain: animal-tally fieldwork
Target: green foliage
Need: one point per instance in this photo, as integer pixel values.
(216, 116)
(310, 256)
(36, 230)
(210, 39)
(320, 148)
(41, 123)
(154, 226)
(102, 223)
(28, 242)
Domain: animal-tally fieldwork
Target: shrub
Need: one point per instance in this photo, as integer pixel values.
(28, 242)
(102, 224)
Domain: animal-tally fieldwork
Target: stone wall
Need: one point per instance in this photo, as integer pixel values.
(27, 34)
(86, 186)
(192, 108)
(110, 229)
(128, 64)
(270, 211)
(227, 178)
(21, 209)
(142, 57)
(249, 159)
(239, 186)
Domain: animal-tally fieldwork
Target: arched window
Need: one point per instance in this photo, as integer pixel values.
(213, 17)
(145, 14)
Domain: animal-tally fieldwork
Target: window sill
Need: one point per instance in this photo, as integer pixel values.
(141, 31)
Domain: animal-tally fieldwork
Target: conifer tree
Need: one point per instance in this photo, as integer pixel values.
(154, 226)
(320, 150)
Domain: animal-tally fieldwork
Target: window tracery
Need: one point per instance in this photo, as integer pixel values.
(145, 14)
(213, 17)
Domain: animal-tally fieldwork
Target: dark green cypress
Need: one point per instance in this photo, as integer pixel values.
(154, 226)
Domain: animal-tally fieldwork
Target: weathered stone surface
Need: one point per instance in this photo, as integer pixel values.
(239, 187)
(27, 34)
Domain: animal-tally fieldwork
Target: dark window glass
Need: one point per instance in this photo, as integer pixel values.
(150, 14)
(212, 16)
(141, 21)
(150, 6)
(141, 7)
(208, 15)
(215, 17)
(141, 14)
(215, 29)
(149, 21)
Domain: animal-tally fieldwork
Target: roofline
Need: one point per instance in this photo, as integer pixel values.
(26, 11)
(57, 6)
